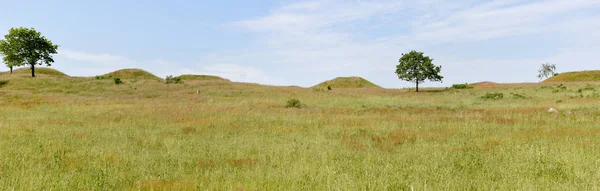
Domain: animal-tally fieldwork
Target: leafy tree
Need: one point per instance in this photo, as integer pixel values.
(546, 71)
(26, 46)
(10, 65)
(416, 68)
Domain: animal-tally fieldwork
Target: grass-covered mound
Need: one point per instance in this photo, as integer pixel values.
(348, 82)
(191, 77)
(580, 76)
(38, 71)
(137, 74)
(484, 84)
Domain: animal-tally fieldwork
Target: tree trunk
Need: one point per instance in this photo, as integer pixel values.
(33, 70)
(10, 70)
(417, 86)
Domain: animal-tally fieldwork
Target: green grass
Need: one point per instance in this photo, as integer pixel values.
(135, 74)
(581, 76)
(347, 82)
(87, 134)
(201, 77)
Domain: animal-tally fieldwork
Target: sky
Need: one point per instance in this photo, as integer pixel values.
(303, 43)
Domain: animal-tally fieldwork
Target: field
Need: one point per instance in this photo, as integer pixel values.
(67, 133)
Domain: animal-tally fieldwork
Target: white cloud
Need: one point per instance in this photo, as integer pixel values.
(328, 38)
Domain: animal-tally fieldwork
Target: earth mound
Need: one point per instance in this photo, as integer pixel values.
(348, 82)
(580, 76)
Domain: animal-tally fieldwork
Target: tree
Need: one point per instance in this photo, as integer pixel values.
(546, 71)
(25, 46)
(10, 65)
(416, 68)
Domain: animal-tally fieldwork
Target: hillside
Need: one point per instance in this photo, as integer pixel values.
(348, 82)
(38, 71)
(192, 77)
(580, 76)
(137, 74)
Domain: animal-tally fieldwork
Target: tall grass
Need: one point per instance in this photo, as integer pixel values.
(87, 134)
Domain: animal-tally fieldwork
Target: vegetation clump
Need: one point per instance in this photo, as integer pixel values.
(293, 103)
(462, 86)
(173, 80)
(587, 87)
(518, 96)
(493, 96)
(117, 80)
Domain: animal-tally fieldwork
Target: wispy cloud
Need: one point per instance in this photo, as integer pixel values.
(328, 37)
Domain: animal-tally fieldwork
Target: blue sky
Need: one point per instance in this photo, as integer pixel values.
(305, 42)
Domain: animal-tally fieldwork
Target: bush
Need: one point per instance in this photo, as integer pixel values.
(117, 80)
(293, 103)
(329, 88)
(493, 96)
(559, 88)
(518, 96)
(587, 87)
(173, 80)
(462, 86)
(103, 77)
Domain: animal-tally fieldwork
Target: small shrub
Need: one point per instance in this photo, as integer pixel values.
(587, 88)
(462, 86)
(493, 96)
(518, 96)
(103, 77)
(295, 103)
(318, 90)
(117, 80)
(594, 95)
(559, 88)
(329, 88)
(173, 80)
(559, 101)
(577, 96)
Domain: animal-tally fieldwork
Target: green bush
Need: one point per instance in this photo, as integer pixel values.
(293, 103)
(559, 88)
(518, 96)
(587, 87)
(493, 96)
(173, 80)
(103, 77)
(462, 86)
(117, 80)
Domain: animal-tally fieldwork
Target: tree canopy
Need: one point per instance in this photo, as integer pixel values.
(416, 68)
(26, 46)
(546, 71)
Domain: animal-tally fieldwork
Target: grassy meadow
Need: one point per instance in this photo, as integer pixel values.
(72, 133)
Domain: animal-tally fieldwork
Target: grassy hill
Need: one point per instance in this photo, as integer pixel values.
(192, 77)
(133, 73)
(348, 82)
(38, 71)
(580, 76)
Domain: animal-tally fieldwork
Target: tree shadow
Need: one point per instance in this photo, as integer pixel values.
(3, 83)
